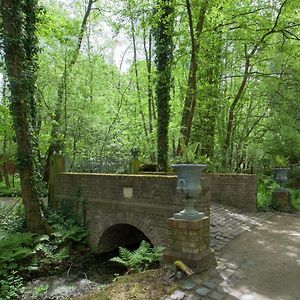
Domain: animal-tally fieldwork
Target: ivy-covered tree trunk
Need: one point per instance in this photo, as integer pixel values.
(163, 34)
(19, 40)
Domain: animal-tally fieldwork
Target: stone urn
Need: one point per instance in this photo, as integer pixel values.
(281, 176)
(189, 186)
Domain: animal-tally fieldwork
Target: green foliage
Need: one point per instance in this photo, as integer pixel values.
(265, 188)
(140, 259)
(12, 191)
(11, 286)
(295, 199)
(66, 225)
(25, 253)
(12, 217)
(294, 176)
(41, 290)
(281, 161)
(102, 117)
(14, 250)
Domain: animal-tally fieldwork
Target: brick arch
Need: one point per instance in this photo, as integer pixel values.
(142, 223)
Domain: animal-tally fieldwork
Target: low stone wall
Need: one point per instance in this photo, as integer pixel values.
(237, 190)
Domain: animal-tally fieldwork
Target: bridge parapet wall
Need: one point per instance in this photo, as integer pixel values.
(146, 201)
(143, 201)
(237, 190)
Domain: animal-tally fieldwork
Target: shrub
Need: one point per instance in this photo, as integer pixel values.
(295, 199)
(265, 188)
(11, 286)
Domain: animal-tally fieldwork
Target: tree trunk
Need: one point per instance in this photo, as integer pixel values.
(137, 82)
(18, 21)
(151, 112)
(242, 87)
(232, 108)
(191, 94)
(163, 33)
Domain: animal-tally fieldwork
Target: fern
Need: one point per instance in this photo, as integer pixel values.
(11, 286)
(13, 240)
(14, 248)
(139, 259)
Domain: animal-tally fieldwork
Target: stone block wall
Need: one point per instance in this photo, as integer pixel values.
(236, 190)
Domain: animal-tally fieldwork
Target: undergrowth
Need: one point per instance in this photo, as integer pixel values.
(265, 188)
(12, 191)
(24, 256)
(295, 199)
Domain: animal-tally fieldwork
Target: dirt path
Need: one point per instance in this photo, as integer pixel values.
(266, 261)
(8, 200)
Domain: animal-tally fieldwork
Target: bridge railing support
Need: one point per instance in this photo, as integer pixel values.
(188, 241)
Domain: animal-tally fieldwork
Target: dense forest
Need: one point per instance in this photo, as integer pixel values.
(102, 82)
(218, 82)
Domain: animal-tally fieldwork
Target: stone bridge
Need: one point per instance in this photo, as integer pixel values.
(125, 209)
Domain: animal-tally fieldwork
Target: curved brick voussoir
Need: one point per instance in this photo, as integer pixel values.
(100, 225)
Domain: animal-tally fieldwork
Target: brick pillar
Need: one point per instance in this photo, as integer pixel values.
(57, 165)
(188, 241)
(281, 199)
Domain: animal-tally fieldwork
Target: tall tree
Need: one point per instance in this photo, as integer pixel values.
(249, 55)
(20, 48)
(56, 142)
(163, 34)
(191, 94)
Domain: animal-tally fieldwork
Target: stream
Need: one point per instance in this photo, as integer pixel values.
(92, 275)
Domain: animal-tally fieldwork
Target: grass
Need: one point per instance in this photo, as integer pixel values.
(146, 285)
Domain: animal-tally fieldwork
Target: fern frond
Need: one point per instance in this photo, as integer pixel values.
(119, 260)
(125, 254)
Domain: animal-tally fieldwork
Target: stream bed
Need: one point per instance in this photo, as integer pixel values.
(90, 276)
